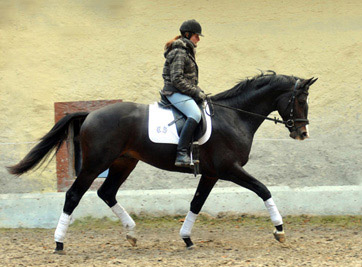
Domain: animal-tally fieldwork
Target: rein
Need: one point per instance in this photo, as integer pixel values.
(275, 120)
(290, 123)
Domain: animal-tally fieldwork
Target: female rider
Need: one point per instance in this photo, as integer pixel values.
(180, 74)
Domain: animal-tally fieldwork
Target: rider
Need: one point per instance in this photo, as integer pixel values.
(180, 74)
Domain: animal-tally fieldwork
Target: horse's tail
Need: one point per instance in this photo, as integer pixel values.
(53, 139)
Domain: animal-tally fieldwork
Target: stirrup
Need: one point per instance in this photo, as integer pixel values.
(182, 164)
(195, 158)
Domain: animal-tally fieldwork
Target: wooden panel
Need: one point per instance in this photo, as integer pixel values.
(65, 156)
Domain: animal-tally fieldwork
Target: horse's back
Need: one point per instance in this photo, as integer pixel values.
(116, 112)
(119, 109)
(114, 119)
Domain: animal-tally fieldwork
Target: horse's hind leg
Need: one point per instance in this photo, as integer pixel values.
(118, 173)
(202, 192)
(73, 196)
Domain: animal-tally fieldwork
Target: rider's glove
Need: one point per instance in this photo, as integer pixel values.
(200, 95)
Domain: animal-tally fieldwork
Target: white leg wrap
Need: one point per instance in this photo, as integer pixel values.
(122, 214)
(273, 211)
(186, 228)
(62, 227)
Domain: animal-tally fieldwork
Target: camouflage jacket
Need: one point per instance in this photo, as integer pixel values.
(180, 72)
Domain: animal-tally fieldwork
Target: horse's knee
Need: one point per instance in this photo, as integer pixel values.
(265, 194)
(196, 206)
(262, 191)
(109, 199)
(101, 194)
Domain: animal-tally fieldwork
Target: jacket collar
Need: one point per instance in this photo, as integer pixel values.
(183, 43)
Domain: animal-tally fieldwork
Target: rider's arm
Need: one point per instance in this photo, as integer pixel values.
(178, 78)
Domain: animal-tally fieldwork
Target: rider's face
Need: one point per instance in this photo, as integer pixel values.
(195, 38)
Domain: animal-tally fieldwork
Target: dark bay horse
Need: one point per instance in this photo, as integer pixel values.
(116, 137)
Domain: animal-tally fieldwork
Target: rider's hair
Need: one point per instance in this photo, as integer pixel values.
(169, 43)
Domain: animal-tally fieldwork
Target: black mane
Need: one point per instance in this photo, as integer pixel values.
(253, 83)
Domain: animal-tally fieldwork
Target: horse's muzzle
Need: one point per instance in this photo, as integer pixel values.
(300, 133)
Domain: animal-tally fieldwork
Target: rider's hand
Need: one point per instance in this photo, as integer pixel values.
(200, 95)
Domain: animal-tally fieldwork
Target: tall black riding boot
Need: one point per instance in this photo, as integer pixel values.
(182, 158)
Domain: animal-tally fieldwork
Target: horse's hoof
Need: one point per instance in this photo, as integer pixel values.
(59, 249)
(59, 252)
(279, 235)
(132, 240)
(188, 242)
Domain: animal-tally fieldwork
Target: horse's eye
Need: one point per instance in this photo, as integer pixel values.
(302, 103)
(302, 98)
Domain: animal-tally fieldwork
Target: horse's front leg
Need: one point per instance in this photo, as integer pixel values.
(202, 192)
(239, 176)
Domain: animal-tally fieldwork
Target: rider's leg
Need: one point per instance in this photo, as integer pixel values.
(183, 159)
(188, 107)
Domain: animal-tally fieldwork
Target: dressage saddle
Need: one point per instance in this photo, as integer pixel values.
(180, 118)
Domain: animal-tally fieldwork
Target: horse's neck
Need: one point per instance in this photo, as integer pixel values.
(260, 102)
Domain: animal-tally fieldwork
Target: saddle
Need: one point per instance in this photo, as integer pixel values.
(180, 118)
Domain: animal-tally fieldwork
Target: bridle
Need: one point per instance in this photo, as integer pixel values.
(290, 123)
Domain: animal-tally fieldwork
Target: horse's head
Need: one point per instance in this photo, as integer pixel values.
(293, 107)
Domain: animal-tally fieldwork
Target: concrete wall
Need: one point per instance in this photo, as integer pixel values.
(47, 207)
(55, 51)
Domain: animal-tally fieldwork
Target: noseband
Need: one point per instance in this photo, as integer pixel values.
(290, 123)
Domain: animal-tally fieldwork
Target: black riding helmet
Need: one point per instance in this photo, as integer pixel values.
(191, 26)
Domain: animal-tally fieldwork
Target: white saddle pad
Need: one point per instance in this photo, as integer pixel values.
(160, 132)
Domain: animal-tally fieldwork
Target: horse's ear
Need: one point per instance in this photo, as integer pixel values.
(312, 81)
(308, 82)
